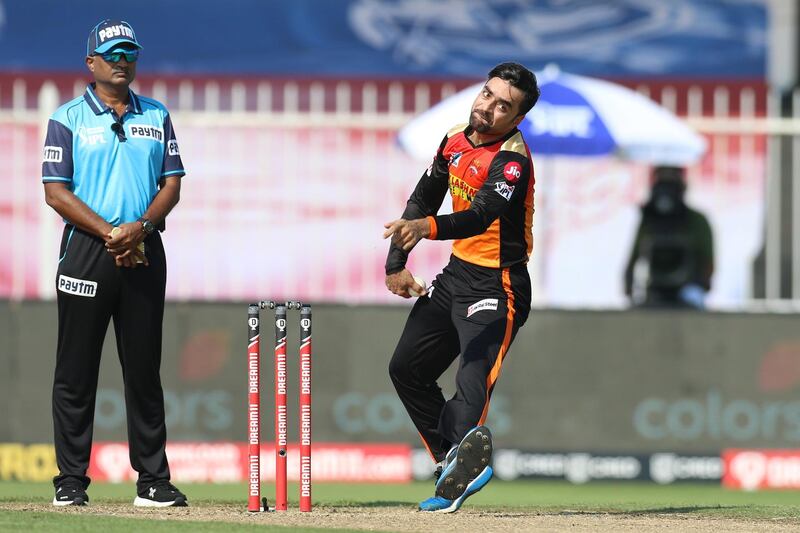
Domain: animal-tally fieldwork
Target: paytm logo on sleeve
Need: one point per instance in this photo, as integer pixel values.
(53, 154)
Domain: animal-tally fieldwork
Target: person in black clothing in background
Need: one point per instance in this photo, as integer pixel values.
(672, 259)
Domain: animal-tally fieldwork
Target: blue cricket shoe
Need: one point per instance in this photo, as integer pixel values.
(465, 472)
(437, 504)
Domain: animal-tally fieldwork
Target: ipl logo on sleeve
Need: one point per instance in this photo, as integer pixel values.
(504, 189)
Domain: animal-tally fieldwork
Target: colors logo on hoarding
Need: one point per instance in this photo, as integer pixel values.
(723, 418)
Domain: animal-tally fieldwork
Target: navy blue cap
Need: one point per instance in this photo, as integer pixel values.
(108, 34)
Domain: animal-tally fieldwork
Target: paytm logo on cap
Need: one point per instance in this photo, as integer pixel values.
(116, 31)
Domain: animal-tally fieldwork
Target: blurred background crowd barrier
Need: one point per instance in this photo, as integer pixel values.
(287, 140)
(313, 169)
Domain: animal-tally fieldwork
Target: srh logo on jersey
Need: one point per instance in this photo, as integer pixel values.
(173, 148)
(455, 158)
(512, 172)
(146, 132)
(53, 154)
(91, 136)
(78, 287)
(504, 189)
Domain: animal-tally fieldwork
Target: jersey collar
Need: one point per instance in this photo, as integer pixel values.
(502, 139)
(99, 107)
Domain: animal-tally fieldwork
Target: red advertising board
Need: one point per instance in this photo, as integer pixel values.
(761, 469)
(226, 462)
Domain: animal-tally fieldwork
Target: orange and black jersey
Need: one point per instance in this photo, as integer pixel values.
(492, 190)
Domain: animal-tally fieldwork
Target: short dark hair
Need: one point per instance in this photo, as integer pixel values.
(521, 78)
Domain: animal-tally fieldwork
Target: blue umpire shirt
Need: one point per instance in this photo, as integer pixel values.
(117, 180)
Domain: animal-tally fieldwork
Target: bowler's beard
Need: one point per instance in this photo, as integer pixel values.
(477, 124)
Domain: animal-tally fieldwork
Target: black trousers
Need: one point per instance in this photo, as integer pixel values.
(472, 311)
(91, 291)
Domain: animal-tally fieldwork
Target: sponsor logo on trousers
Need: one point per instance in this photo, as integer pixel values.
(488, 304)
(78, 287)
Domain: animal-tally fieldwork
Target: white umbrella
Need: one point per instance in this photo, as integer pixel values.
(575, 116)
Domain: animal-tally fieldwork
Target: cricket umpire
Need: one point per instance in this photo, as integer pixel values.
(112, 169)
(483, 296)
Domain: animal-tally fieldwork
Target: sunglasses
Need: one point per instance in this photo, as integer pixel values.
(116, 55)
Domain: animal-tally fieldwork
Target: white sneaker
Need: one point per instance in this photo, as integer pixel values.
(70, 493)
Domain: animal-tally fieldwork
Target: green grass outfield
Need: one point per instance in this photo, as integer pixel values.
(542, 497)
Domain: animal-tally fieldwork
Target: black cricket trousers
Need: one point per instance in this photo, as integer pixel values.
(470, 310)
(91, 290)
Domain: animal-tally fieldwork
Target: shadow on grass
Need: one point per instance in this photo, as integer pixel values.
(657, 510)
(378, 503)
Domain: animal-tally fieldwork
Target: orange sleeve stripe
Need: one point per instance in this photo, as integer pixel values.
(432, 222)
(498, 363)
